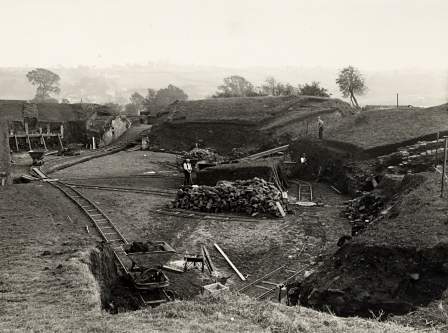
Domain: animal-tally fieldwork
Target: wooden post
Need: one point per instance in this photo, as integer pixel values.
(43, 141)
(62, 131)
(60, 141)
(437, 149)
(397, 100)
(48, 128)
(17, 142)
(444, 166)
(29, 141)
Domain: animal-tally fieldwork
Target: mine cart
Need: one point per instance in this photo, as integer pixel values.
(37, 156)
(157, 253)
(149, 279)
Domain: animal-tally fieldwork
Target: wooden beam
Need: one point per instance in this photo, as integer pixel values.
(266, 152)
(17, 143)
(208, 259)
(43, 140)
(60, 142)
(230, 262)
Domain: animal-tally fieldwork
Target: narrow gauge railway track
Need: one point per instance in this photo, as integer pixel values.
(107, 229)
(268, 287)
(172, 175)
(170, 194)
(210, 216)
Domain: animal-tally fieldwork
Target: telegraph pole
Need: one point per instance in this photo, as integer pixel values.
(397, 100)
(444, 166)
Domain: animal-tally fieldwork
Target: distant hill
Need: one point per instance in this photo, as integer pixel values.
(116, 83)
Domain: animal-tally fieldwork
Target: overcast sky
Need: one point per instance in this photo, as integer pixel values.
(370, 34)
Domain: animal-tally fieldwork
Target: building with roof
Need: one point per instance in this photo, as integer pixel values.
(44, 125)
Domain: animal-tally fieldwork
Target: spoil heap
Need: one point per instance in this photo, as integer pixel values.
(203, 154)
(250, 197)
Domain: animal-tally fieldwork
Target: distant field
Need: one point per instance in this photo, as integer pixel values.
(371, 130)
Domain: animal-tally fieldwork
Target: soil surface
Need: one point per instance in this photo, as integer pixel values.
(256, 246)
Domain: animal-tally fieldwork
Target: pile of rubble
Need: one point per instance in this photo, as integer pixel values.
(202, 154)
(364, 209)
(251, 197)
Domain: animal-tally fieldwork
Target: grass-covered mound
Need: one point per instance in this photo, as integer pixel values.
(250, 123)
(380, 132)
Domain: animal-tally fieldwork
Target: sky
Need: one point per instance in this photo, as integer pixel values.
(369, 34)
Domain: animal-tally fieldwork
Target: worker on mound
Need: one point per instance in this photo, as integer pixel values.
(187, 168)
(320, 126)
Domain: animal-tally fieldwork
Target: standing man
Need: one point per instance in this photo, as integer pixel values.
(186, 166)
(320, 126)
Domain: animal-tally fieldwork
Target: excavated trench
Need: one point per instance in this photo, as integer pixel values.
(117, 293)
(393, 267)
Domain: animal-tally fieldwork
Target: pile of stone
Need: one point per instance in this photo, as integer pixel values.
(364, 209)
(252, 197)
(202, 154)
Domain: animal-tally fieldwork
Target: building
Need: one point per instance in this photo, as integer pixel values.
(51, 125)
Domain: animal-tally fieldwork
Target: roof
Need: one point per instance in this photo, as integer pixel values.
(13, 110)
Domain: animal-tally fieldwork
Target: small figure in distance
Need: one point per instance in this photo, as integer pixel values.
(320, 126)
(187, 168)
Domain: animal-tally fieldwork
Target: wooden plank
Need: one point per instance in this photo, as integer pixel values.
(267, 152)
(39, 173)
(208, 259)
(280, 209)
(230, 262)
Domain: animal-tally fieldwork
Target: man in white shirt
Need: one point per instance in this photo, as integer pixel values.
(320, 126)
(186, 166)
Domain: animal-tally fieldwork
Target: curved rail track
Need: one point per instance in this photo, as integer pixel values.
(110, 234)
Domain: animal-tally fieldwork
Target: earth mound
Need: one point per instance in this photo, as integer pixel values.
(379, 132)
(394, 266)
(251, 123)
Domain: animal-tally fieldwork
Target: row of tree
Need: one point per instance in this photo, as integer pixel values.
(349, 80)
(238, 86)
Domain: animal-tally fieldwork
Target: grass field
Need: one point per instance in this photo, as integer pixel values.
(371, 129)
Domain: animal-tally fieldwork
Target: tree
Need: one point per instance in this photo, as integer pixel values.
(313, 89)
(169, 95)
(46, 81)
(65, 101)
(138, 101)
(271, 86)
(351, 83)
(235, 86)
